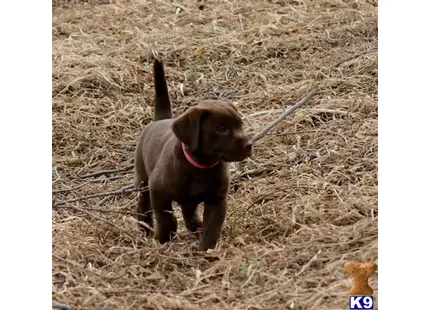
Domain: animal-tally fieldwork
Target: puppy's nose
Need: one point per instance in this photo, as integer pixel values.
(248, 146)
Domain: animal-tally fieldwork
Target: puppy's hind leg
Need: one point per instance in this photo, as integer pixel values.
(144, 212)
(167, 224)
(191, 219)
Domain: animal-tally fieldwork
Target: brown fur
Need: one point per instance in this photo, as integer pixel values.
(212, 131)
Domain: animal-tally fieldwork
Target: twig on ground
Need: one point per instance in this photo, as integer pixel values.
(83, 267)
(315, 110)
(250, 173)
(265, 112)
(112, 178)
(103, 220)
(331, 111)
(75, 264)
(179, 7)
(308, 263)
(57, 305)
(124, 190)
(251, 141)
(87, 209)
(282, 117)
(69, 189)
(57, 174)
(373, 49)
(129, 189)
(104, 172)
(101, 202)
(102, 210)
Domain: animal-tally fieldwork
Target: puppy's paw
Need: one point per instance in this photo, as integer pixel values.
(194, 225)
(210, 255)
(165, 236)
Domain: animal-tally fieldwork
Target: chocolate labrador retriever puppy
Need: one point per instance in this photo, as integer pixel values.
(184, 160)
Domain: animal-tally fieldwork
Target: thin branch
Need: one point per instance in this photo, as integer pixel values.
(101, 202)
(308, 263)
(330, 111)
(314, 110)
(373, 49)
(87, 209)
(76, 264)
(103, 220)
(265, 112)
(65, 190)
(130, 189)
(104, 172)
(98, 273)
(69, 189)
(125, 190)
(57, 305)
(58, 175)
(179, 7)
(112, 178)
(102, 210)
(252, 140)
(282, 117)
(250, 173)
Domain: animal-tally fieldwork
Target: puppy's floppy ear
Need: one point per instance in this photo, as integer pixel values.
(187, 127)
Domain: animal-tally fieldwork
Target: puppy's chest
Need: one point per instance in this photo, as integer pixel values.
(197, 187)
(196, 190)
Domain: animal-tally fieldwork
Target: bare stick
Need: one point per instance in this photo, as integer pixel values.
(87, 209)
(104, 172)
(251, 141)
(102, 210)
(316, 110)
(112, 178)
(373, 49)
(98, 273)
(124, 190)
(103, 220)
(69, 189)
(57, 305)
(281, 117)
(103, 201)
(75, 264)
(308, 263)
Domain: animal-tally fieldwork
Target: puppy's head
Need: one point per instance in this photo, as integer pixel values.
(213, 128)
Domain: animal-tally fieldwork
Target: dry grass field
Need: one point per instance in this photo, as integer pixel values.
(305, 202)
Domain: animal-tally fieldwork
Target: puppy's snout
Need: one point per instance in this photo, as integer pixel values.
(240, 148)
(246, 145)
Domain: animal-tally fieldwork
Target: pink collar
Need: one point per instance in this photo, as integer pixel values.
(194, 163)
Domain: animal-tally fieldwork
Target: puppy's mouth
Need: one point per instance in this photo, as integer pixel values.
(231, 160)
(235, 157)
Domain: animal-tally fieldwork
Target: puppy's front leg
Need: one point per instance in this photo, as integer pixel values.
(166, 221)
(213, 220)
(191, 219)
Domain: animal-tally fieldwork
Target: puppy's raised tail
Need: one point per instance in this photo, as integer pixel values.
(163, 108)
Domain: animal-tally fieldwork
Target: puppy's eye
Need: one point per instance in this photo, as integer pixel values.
(222, 130)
